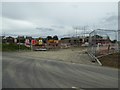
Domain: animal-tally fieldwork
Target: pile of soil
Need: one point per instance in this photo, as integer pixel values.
(111, 60)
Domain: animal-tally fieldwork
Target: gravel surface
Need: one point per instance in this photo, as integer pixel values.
(76, 55)
(29, 72)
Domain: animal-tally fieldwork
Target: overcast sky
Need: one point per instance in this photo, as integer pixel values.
(50, 18)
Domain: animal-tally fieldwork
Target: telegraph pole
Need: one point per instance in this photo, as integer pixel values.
(76, 31)
(19, 42)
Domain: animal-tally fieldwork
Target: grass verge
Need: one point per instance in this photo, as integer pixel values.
(13, 47)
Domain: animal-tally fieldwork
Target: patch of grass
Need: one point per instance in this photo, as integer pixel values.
(13, 47)
(111, 60)
(0, 46)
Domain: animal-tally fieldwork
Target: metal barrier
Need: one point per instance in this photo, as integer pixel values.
(103, 42)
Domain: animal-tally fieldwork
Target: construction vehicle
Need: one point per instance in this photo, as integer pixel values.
(45, 44)
(52, 44)
(38, 45)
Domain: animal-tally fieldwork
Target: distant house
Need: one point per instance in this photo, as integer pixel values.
(86, 39)
(29, 37)
(9, 40)
(65, 40)
(99, 39)
(77, 41)
(20, 39)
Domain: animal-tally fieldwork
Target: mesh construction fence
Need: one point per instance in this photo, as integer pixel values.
(103, 42)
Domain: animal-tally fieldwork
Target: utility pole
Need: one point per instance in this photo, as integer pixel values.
(19, 42)
(75, 28)
(76, 31)
(84, 31)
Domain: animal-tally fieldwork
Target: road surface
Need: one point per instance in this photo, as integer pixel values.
(28, 72)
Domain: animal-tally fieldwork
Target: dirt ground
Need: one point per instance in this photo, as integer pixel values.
(111, 60)
(74, 55)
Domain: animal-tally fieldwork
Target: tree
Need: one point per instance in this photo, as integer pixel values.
(49, 37)
(20, 39)
(55, 37)
(44, 40)
(114, 41)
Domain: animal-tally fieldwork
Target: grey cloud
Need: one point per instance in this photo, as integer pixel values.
(55, 17)
(111, 18)
(109, 21)
(55, 26)
(45, 29)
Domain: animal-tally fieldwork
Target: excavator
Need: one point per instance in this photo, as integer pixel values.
(40, 45)
(52, 43)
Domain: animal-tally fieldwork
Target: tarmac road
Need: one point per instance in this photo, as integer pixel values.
(27, 72)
